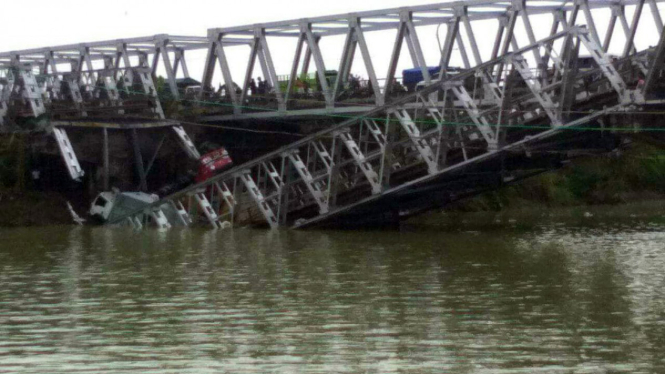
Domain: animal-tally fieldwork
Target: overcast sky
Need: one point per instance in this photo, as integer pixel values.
(38, 23)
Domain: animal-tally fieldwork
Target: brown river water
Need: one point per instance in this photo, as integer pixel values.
(574, 293)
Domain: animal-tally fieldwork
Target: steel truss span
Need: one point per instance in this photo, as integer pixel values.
(472, 32)
(427, 149)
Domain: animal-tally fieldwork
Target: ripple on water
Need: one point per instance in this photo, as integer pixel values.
(557, 298)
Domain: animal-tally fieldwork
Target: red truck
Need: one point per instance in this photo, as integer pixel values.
(213, 163)
(210, 164)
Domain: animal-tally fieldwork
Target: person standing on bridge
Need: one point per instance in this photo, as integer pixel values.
(252, 87)
(262, 87)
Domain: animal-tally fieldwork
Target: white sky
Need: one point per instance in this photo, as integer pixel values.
(40, 23)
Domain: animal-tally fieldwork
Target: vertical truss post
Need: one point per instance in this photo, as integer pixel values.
(498, 38)
(226, 75)
(308, 57)
(105, 158)
(177, 56)
(656, 66)
(345, 63)
(209, 65)
(138, 160)
(283, 197)
(521, 6)
(452, 30)
(505, 104)
(72, 79)
(469, 33)
(621, 13)
(161, 47)
(462, 50)
(335, 174)
(633, 29)
(249, 71)
(557, 16)
(181, 62)
(610, 28)
(656, 15)
(591, 24)
(294, 68)
(355, 23)
(570, 22)
(269, 67)
(461, 13)
(4, 93)
(155, 64)
(129, 73)
(507, 40)
(315, 51)
(413, 43)
(50, 56)
(385, 139)
(568, 78)
(394, 58)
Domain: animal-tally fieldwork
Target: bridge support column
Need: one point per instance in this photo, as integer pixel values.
(138, 160)
(105, 157)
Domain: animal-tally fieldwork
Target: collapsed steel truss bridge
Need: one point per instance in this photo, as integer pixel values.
(525, 100)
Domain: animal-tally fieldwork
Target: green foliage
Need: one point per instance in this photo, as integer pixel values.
(637, 173)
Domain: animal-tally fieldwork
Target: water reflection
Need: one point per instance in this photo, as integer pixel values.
(555, 298)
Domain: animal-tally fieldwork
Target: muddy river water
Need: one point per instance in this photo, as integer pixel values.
(580, 293)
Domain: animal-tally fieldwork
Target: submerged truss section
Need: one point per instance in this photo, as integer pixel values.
(425, 150)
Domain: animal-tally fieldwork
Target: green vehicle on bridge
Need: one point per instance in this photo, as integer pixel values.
(307, 82)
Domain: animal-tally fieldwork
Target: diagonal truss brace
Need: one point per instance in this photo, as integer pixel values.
(420, 144)
(483, 124)
(360, 160)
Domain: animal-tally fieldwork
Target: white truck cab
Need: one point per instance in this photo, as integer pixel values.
(111, 205)
(102, 205)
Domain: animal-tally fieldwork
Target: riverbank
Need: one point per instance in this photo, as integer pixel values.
(631, 175)
(643, 213)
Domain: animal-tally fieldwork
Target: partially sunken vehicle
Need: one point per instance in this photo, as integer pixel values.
(112, 206)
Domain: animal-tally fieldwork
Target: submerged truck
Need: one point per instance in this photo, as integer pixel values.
(110, 206)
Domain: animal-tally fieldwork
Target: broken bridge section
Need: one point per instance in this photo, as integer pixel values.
(429, 148)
